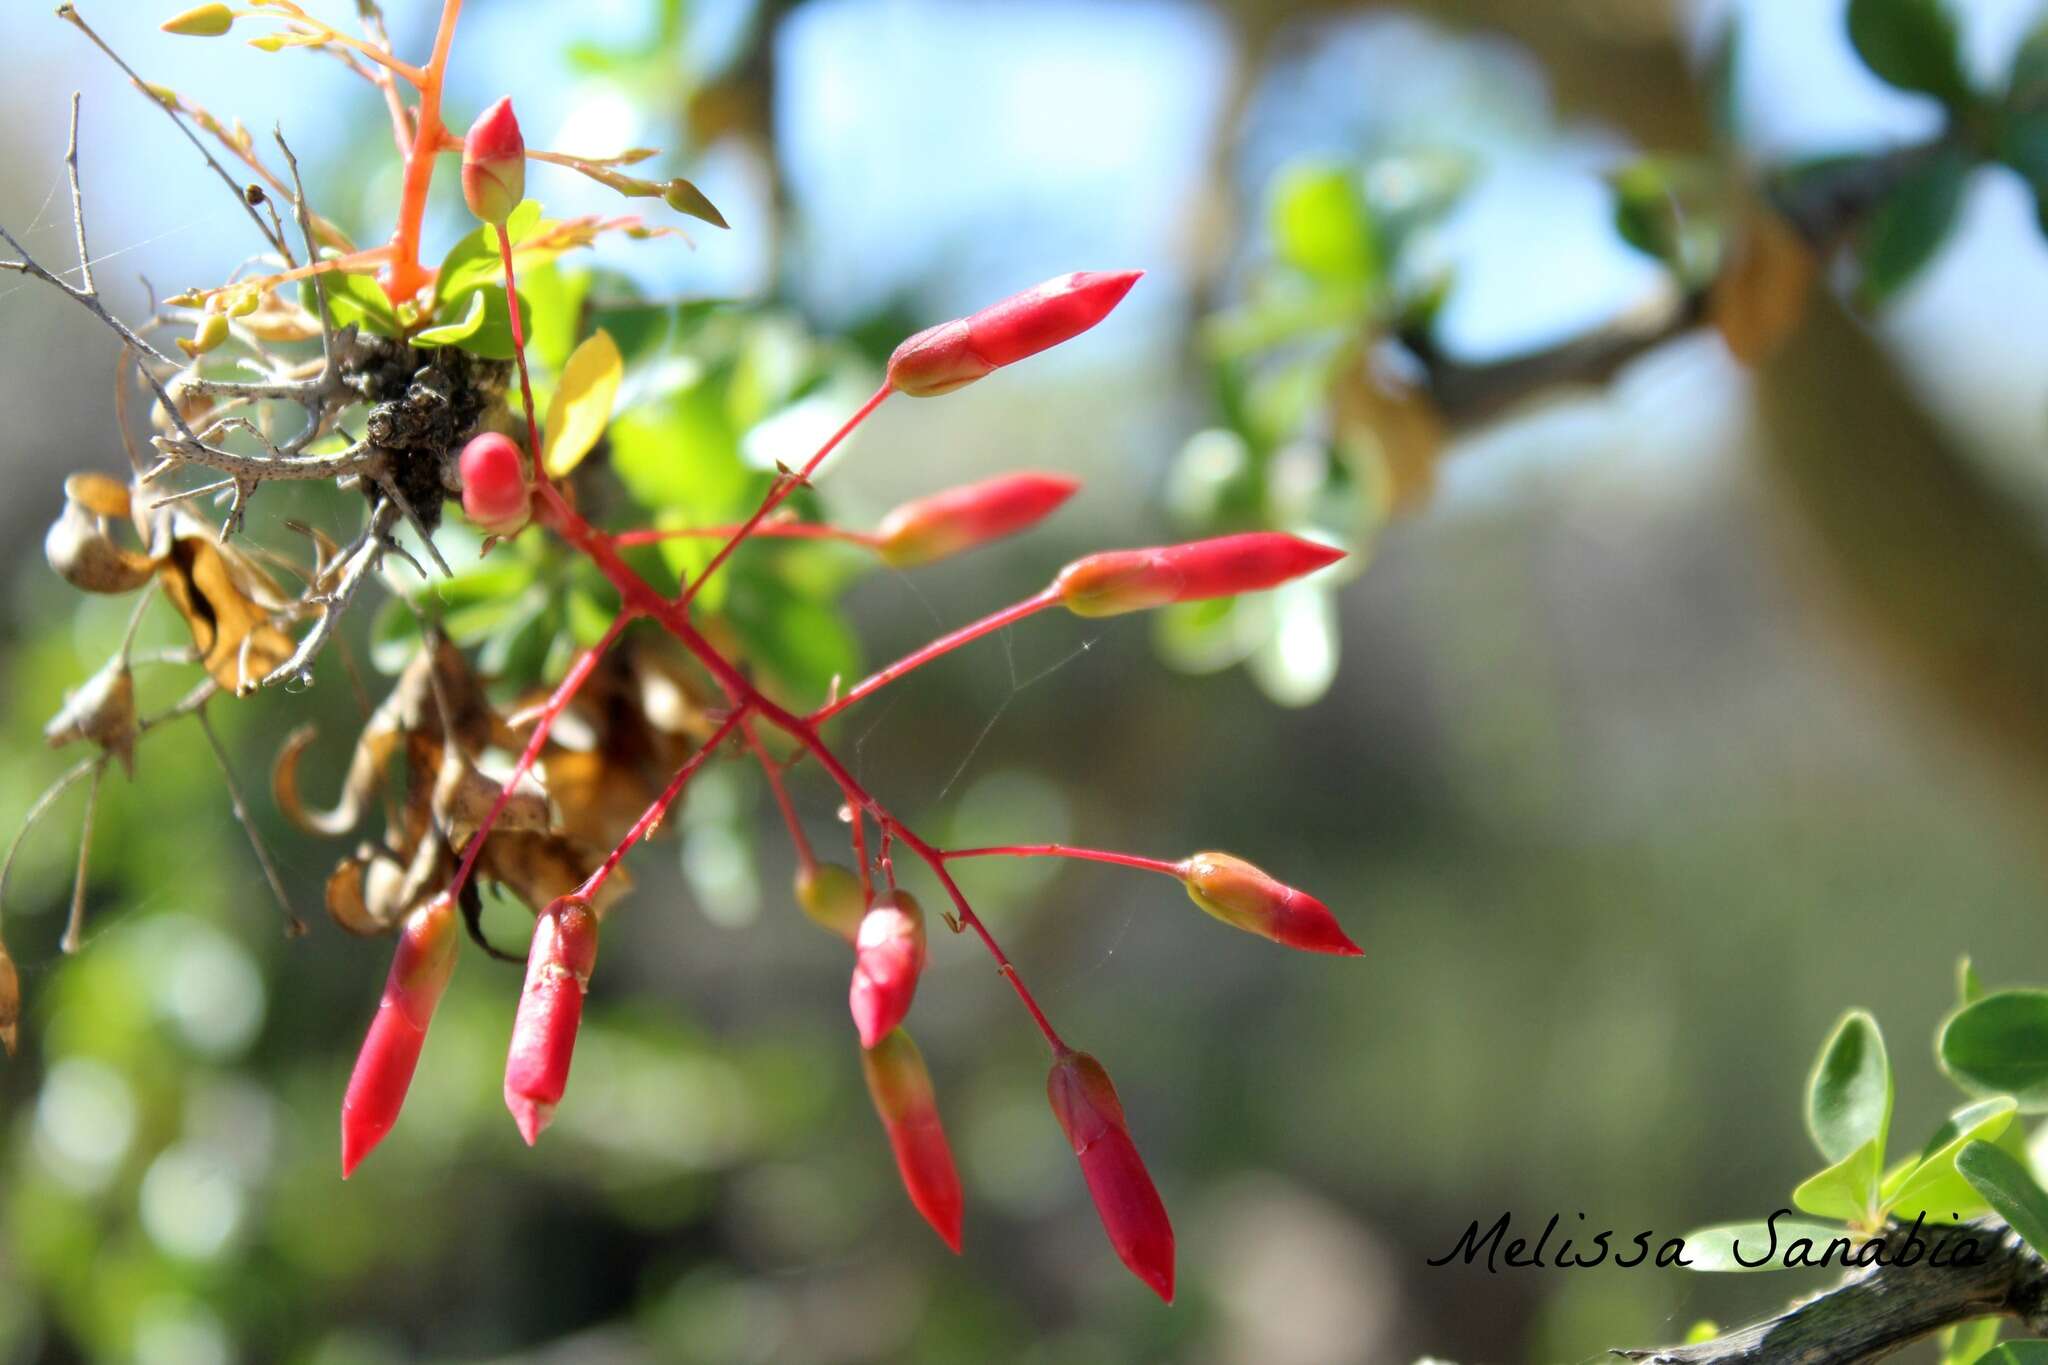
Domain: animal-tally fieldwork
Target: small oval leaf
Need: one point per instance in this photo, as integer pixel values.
(582, 405)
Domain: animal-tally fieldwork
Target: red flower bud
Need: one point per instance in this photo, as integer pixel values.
(903, 1095)
(1117, 581)
(831, 896)
(943, 358)
(420, 969)
(1085, 1103)
(1239, 894)
(494, 164)
(888, 954)
(495, 493)
(550, 1009)
(960, 518)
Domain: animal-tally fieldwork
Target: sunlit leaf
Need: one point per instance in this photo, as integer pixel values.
(2009, 1189)
(1849, 1097)
(582, 405)
(1935, 1188)
(448, 333)
(1739, 1247)
(1999, 1046)
(1846, 1190)
(354, 300)
(1321, 227)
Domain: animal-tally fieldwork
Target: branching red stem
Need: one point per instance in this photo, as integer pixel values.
(1092, 855)
(945, 644)
(786, 530)
(652, 816)
(783, 487)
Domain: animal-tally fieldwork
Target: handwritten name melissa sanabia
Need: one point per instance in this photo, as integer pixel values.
(1903, 1246)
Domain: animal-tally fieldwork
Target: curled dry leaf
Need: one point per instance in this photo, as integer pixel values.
(1760, 299)
(1389, 431)
(411, 706)
(80, 545)
(102, 710)
(229, 604)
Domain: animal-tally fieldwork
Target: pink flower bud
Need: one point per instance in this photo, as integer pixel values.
(1085, 1103)
(831, 896)
(420, 968)
(495, 492)
(494, 164)
(888, 954)
(909, 1109)
(550, 1009)
(1117, 581)
(960, 518)
(1239, 894)
(943, 358)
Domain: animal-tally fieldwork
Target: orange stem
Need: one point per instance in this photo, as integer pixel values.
(405, 277)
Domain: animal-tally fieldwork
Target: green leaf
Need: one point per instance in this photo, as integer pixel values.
(1966, 1343)
(1726, 1247)
(1848, 1189)
(1969, 988)
(2009, 1189)
(1849, 1098)
(1321, 227)
(1911, 44)
(354, 300)
(448, 333)
(475, 260)
(1908, 226)
(1935, 1188)
(2033, 1352)
(582, 405)
(801, 642)
(492, 337)
(1667, 208)
(1999, 1046)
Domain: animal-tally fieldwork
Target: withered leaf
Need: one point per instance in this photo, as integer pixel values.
(102, 709)
(222, 595)
(1760, 298)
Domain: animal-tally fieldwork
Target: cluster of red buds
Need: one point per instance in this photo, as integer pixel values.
(884, 925)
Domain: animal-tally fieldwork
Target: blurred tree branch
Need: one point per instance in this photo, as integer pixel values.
(1882, 1310)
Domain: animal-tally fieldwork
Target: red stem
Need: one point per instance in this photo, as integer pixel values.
(788, 530)
(945, 644)
(519, 354)
(1093, 855)
(772, 770)
(564, 693)
(638, 597)
(784, 486)
(652, 816)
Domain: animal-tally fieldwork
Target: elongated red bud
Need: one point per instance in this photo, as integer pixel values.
(420, 968)
(1085, 1103)
(495, 492)
(831, 896)
(1117, 581)
(943, 358)
(888, 954)
(550, 1008)
(909, 1108)
(960, 518)
(1239, 894)
(494, 164)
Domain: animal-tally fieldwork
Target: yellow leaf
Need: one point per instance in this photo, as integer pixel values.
(582, 404)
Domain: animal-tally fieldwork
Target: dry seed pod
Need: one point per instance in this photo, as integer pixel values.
(10, 1002)
(102, 709)
(85, 556)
